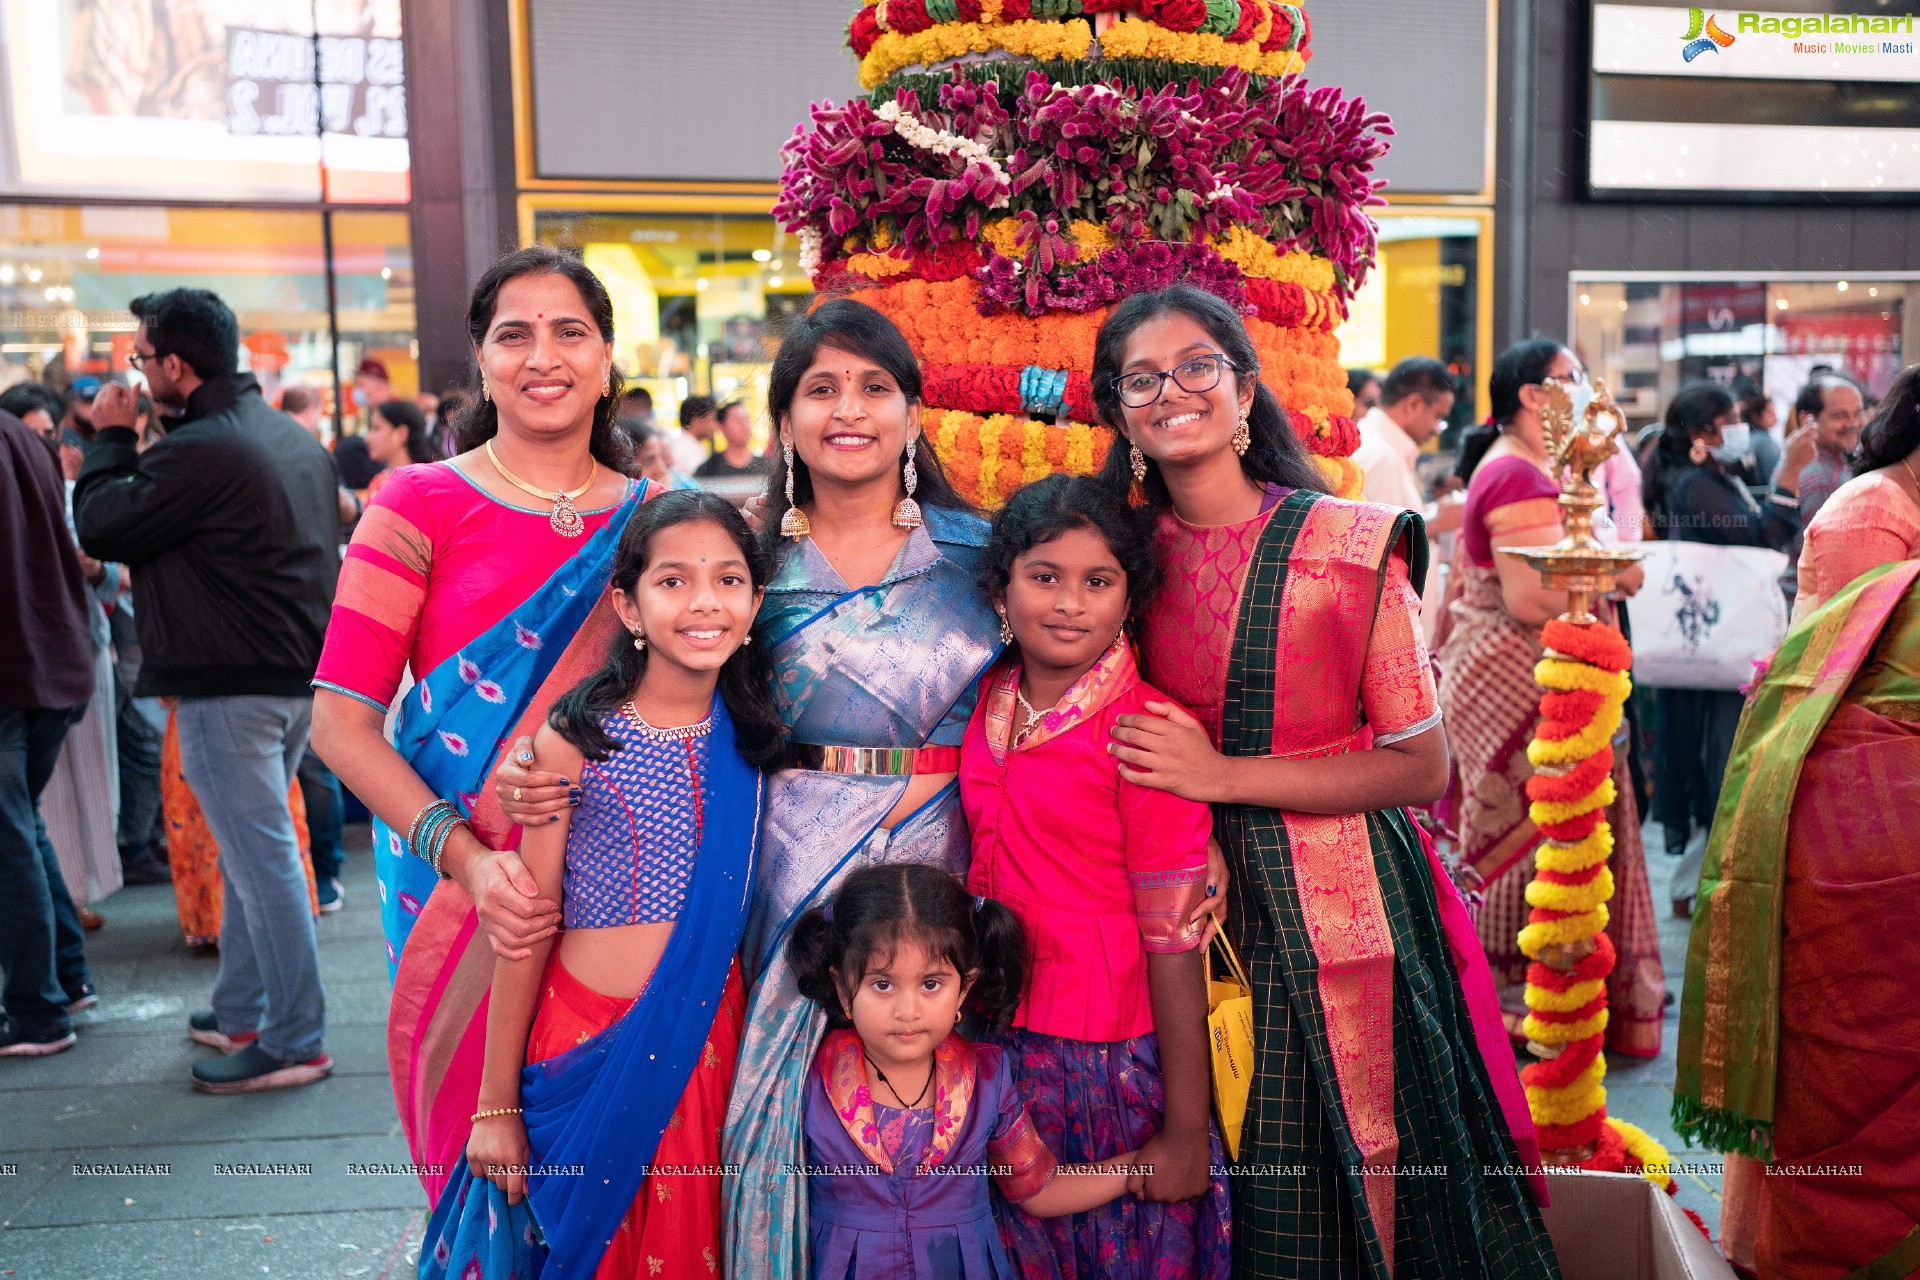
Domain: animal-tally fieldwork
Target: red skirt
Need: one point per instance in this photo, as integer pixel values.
(672, 1229)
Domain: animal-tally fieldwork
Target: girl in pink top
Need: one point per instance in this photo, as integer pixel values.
(1108, 1046)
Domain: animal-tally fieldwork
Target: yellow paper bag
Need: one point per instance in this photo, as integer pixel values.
(1230, 1042)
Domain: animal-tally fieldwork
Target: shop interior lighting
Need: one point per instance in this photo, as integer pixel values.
(33, 275)
(1842, 286)
(1586, 299)
(6, 273)
(1779, 304)
(386, 273)
(93, 254)
(774, 282)
(1623, 304)
(779, 265)
(701, 284)
(762, 255)
(1873, 293)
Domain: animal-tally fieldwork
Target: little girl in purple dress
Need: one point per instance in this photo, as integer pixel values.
(905, 1119)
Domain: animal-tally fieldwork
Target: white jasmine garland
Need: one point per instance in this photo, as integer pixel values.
(926, 138)
(810, 241)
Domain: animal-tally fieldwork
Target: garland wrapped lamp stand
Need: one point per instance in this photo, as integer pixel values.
(1584, 672)
(1018, 166)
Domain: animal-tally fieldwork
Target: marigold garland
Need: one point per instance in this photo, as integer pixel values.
(1583, 672)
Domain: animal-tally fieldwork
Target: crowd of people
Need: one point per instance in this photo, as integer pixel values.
(856, 833)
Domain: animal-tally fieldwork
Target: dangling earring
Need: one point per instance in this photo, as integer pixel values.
(639, 642)
(606, 384)
(906, 514)
(1698, 453)
(1006, 631)
(1242, 436)
(1138, 461)
(794, 524)
(486, 392)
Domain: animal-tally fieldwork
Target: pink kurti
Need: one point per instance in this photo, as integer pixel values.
(1100, 870)
(435, 561)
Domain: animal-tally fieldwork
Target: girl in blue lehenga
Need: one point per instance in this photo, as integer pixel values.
(878, 628)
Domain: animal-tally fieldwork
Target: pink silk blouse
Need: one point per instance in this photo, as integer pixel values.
(435, 562)
(1351, 648)
(1869, 521)
(1101, 871)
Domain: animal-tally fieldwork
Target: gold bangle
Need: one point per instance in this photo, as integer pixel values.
(478, 1116)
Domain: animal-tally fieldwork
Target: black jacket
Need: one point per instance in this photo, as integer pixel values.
(231, 525)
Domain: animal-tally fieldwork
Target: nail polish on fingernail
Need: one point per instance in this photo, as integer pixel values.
(1212, 889)
(554, 818)
(574, 799)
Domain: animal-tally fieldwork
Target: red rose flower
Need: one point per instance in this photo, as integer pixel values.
(967, 10)
(863, 31)
(1177, 15)
(907, 17)
(1016, 10)
(1280, 32)
(1250, 11)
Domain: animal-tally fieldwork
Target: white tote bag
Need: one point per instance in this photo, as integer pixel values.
(1706, 614)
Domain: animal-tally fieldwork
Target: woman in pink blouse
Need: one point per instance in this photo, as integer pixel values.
(1874, 518)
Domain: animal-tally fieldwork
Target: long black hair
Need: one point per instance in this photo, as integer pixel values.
(406, 414)
(1524, 364)
(1040, 512)
(1894, 431)
(479, 420)
(1276, 455)
(1692, 411)
(878, 907)
(845, 325)
(746, 681)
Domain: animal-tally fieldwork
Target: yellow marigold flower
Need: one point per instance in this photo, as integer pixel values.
(1655, 1162)
(1597, 734)
(990, 459)
(1033, 452)
(1562, 674)
(878, 266)
(1571, 897)
(1003, 234)
(1574, 997)
(1555, 855)
(1564, 1033)
(1545, 812)
(1091, 238)
(1567, 1106)
(948, 436)
(1535, 938)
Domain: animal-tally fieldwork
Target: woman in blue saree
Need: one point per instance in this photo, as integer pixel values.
(492, 587)
(878, 628)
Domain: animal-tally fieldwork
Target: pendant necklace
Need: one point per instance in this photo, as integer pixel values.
(897, 1095)
(565, 519)
(1033, 717)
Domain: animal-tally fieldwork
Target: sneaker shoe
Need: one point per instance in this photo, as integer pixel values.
(202, 1028)
(17, 1042)
(82, 997)
(332, 896)
(253, 1069)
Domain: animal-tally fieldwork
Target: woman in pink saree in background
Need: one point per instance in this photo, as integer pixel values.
(1491, 641)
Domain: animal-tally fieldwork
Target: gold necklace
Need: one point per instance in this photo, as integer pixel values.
(1033, 717)
(565, 519)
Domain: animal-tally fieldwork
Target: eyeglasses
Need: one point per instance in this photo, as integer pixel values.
(1142, 387)
(1578, 378)
(138, 359)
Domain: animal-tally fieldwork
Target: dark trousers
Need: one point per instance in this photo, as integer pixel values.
(139, 743)
(321, 790)
(1690, 750)
(41, 946)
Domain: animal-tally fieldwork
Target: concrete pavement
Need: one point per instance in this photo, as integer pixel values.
(111, 1165)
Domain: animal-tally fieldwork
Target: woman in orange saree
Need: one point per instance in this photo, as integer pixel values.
(1799, 1042)
(1491, 703)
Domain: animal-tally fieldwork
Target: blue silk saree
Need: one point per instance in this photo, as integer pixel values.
(892, 665)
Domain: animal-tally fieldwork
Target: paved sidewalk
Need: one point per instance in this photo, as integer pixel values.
(72, 1209)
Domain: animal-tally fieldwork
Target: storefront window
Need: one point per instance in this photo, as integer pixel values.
(699, 300)
(1420, 299)
(67, 273)
(1648, 338)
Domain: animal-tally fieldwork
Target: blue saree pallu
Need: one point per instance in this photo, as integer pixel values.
(892, 665)
(595, 1113)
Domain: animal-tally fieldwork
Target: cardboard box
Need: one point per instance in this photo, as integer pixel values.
(1619, 1226)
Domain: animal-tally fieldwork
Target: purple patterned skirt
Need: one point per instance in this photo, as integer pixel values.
(1093, 1101)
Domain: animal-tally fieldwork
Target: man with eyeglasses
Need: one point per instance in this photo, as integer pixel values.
(231, 525)
(1828, 415)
